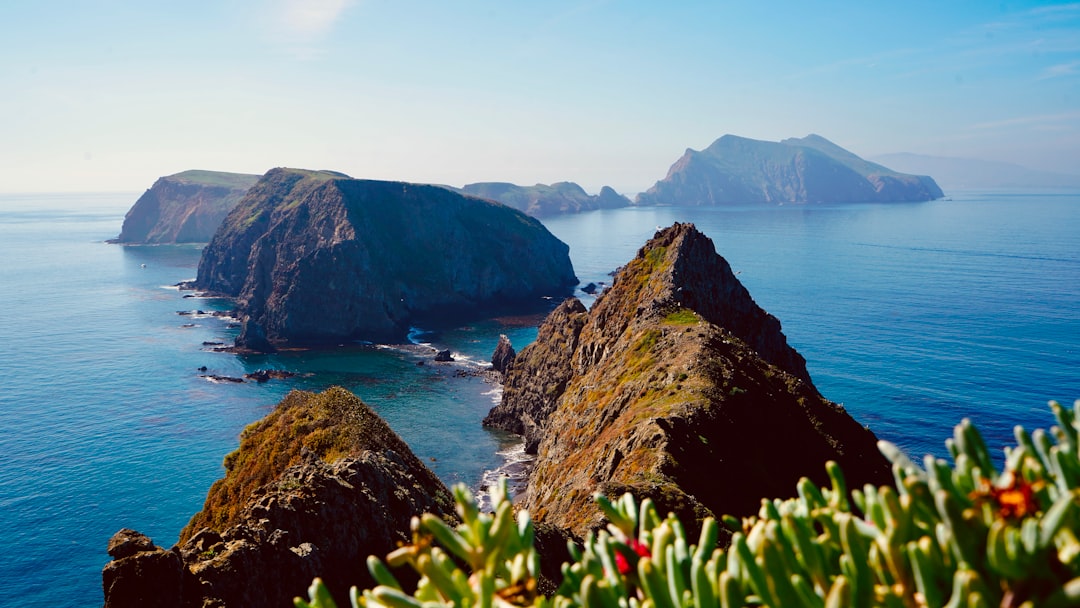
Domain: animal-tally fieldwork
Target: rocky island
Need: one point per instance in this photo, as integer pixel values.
(542, 200)
(186, 207)
(676, 386)
(316, 257)
(736, 170)
(314, 488)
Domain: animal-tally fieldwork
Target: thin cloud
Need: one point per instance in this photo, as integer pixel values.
(1062, 69)
(311, 18)
(1034, 120)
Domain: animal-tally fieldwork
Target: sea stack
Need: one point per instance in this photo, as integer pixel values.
(675, 386)
(316, 257)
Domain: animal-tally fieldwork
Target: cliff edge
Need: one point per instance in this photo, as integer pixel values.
(315, 487)
(186, 207)
(316, 257)
(674, 386)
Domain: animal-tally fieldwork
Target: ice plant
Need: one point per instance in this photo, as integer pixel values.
(956, 534)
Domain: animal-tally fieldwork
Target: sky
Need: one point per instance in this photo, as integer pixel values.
(108, 95)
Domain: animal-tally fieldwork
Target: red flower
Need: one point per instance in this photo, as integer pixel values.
(639, 548)
(621, 563)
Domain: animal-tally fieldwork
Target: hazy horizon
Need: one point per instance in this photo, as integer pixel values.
(109, 98)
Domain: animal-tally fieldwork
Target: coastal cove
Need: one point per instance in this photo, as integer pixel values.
(911, 315)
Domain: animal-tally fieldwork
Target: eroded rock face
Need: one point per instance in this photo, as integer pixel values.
(675, 386)
(737, 170)
(317, 257)
(261, 543)
(504, 354)
(186, 207)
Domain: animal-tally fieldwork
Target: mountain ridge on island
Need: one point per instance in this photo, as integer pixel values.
(738, 170)
(674, 386)
(543, 200)
(185, 207)
(317, 257)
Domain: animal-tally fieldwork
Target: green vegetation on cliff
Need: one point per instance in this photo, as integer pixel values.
(186, 207)
(331, 425)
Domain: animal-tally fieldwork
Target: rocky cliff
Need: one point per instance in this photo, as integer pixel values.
(808, 170)
(316, 257)
(543, 200)
(675, 385)
(183, 208)
(315, 487)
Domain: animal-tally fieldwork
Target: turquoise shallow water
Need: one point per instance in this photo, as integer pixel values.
(912, 316)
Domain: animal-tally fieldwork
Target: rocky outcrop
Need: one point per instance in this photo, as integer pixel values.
(315, 257)
(186, 207)
(315, 487)
(504, 354)
(737, 170)
(675, 385)
(543, 200)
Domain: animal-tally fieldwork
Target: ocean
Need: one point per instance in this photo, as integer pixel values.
(911, 315)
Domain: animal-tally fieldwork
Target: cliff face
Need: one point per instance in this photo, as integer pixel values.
(183, 208)
(315, 487)
(808, 170)
(675, 386)
(317, 257)
(543, 200)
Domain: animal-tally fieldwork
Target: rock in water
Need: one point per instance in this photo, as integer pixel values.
(317, 257)
(504, 354)
(315, 487)
(186, 207)
(808, 170)
(674, 386)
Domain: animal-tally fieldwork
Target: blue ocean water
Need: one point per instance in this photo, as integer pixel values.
(912, 316)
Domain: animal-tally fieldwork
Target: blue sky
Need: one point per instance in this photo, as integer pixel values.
(109, 95)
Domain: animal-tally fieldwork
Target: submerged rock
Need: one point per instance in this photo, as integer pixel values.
(674, 386)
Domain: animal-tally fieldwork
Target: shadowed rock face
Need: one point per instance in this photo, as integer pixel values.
(675, 386)
(339, 486)
(317, 257)
(184, 208)
(808, 170)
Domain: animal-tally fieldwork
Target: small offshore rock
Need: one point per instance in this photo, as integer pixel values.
(443, 356)
(504, 354)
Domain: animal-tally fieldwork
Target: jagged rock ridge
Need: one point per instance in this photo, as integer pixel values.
(542, 200)
(186, 207)
(808, 170)
(675, 386)
(315, 487)
(316, 257)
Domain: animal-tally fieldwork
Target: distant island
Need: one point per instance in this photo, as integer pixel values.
(185, 207)
(543, 200)
(316, 257)
(968, 173)
(736, 170)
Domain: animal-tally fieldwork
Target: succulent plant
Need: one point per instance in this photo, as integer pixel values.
(953, 535)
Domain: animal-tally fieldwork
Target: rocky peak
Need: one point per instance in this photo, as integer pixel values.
(315, 487)
(675, 385)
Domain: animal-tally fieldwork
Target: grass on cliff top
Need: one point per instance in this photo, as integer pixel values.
(332, 424)
(240, 181)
